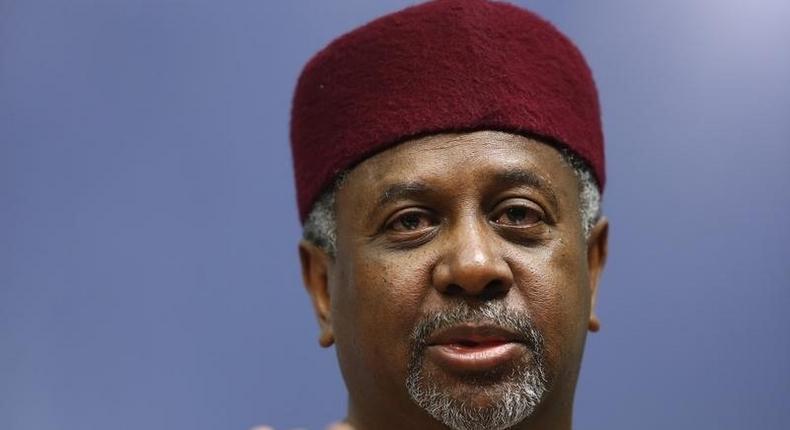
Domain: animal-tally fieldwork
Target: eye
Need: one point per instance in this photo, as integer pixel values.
(519, 213)
(410, 221)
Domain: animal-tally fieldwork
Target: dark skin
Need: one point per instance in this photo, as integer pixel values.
(474, 217)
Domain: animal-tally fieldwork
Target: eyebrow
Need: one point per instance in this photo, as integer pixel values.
(519, 177)
(402, 190)
(510, 178)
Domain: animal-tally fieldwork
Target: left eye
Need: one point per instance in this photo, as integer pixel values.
(520, 215)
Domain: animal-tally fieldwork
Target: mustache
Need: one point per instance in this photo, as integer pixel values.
(490, 313)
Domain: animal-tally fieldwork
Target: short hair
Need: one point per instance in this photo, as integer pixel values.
(320, 227)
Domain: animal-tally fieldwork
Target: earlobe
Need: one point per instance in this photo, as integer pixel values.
(326, 338)
(315, 266)
(597, 251)
(594, 324)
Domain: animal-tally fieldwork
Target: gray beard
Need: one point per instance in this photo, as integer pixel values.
(513, 397)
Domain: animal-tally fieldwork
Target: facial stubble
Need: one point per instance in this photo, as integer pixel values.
(510, 395)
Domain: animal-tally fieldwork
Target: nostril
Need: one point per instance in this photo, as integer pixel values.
(454, 289)
(494, 290)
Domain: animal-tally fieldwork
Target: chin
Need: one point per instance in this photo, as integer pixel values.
(496, 399)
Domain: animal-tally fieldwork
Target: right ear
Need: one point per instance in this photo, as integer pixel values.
(315, 267)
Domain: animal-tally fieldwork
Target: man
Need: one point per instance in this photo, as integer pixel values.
(449, 164)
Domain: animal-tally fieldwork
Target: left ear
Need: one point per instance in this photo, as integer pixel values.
(597, 249)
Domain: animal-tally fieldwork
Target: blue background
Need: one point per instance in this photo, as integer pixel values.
(148, 227)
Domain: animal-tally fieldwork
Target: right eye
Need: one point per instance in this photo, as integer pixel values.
(410, 221)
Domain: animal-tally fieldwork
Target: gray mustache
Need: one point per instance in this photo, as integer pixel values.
(491, 313)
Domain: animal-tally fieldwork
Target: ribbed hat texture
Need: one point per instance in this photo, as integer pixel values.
(441, 66)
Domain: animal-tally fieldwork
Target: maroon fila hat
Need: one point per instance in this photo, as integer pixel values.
(441, 66)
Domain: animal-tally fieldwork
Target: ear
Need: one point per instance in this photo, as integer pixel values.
(315, 266)
(597, 249)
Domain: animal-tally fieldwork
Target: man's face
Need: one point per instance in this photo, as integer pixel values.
(462, 274)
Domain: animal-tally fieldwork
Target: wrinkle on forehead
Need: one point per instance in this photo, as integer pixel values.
(449, 149)
(484, 139)
(476, 144)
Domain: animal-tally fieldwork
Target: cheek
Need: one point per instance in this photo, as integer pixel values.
(378, 303)
(553, 285)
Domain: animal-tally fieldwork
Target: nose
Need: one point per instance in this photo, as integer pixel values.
(472, 265)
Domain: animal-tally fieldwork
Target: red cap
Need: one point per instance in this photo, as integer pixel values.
(441, 66)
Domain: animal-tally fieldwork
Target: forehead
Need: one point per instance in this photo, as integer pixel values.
(457, 159)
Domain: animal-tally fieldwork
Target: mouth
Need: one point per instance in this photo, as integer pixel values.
(475, 348)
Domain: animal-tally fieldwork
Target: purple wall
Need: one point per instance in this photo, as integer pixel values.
(148, 269)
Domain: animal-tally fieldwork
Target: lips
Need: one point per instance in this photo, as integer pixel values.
(475, 348)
